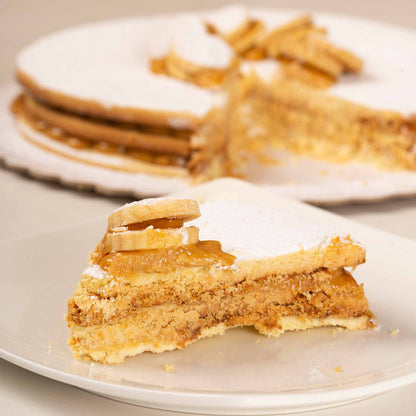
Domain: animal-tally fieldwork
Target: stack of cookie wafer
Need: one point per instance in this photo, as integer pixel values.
(131, 140)
(147, 226)
(299, 45)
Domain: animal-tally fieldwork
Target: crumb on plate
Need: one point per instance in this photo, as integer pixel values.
(169, 368)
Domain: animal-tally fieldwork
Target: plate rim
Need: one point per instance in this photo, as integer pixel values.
(231, 403)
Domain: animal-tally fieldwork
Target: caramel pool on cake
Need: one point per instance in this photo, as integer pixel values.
(166, 274)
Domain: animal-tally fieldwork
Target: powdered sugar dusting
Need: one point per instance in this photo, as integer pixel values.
(185, 236)
(194, 44)
(147, 202)
(95, 271)
(109, 63)
(250, 231)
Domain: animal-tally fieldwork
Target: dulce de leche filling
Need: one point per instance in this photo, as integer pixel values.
(203, 253)
(58, 134)
(159, 223)
(163, 260)
(318, 294)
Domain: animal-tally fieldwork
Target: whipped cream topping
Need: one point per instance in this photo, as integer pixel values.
(252, 232)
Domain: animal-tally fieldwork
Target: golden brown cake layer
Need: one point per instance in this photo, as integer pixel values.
(271, 304)
(111, 303)
(152, 277)
(187, 271)
(113, 343)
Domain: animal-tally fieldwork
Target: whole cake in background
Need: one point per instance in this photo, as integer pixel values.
(154, 284)
(198, 95)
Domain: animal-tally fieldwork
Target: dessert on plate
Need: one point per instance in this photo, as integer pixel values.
(198, 95)
(170, 271)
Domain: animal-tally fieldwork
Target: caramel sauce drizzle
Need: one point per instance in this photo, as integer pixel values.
(17, 107)
(161, 223)
(203, 253)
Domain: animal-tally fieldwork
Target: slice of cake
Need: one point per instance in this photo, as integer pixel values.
(153, 284)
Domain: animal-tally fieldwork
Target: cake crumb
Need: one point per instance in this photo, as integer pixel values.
(394, 332)
(169, 368)
(338, 369)
(259, 341)
(323, 172)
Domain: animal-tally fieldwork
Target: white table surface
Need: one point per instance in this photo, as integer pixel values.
(29, 206)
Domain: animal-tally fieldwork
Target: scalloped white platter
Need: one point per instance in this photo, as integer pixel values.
(240, 372)
(389, 54)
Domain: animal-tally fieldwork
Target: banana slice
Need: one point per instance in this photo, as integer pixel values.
(151, 238)
(152, 209)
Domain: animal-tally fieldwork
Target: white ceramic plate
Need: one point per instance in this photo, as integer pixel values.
(381, 46)
(230, 374)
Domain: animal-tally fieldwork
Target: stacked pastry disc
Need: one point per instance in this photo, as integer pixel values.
(136, 227)
(151, 148)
